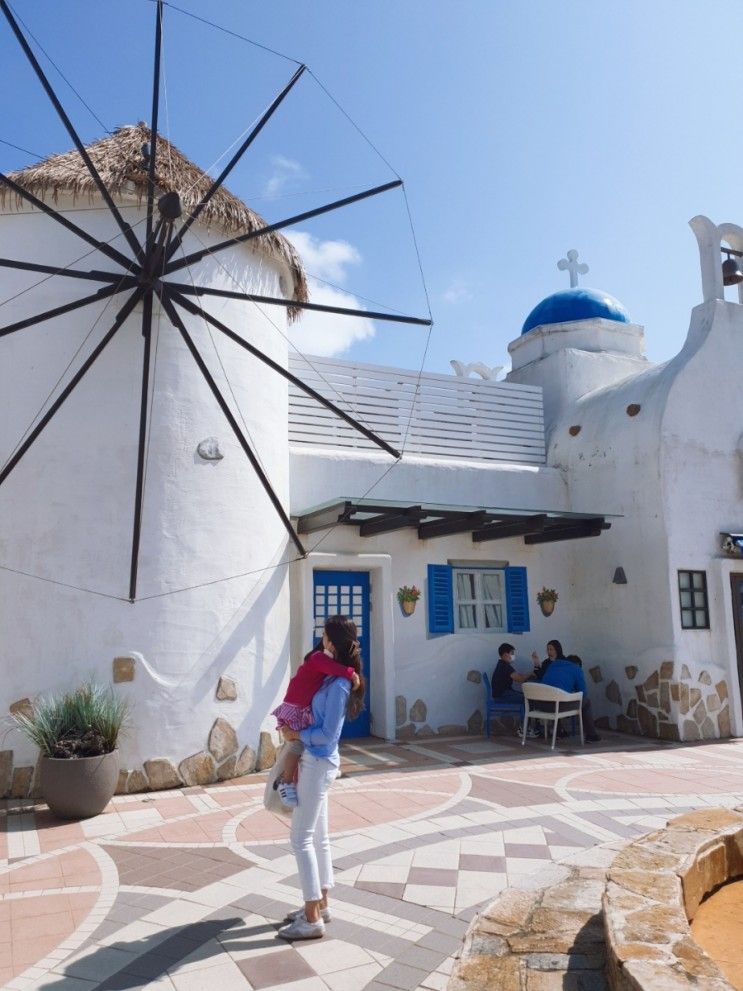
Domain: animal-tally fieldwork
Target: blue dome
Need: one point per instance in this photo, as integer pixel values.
(576, 304)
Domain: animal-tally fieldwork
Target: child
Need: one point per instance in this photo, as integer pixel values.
(296, 709)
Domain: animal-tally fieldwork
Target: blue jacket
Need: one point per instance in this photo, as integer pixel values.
(566, 675)
(328, 715)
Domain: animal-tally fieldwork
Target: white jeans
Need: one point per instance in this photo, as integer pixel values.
(309, 833)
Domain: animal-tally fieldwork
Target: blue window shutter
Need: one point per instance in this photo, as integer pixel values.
(517, 600)
(440, 600)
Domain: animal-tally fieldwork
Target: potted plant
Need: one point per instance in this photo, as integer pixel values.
(77, 734)
(547, 597)
(407, 596)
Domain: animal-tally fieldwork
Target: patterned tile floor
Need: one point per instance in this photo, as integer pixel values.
(183, 890)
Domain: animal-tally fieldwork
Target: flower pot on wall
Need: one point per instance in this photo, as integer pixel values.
(78, 788)
(547, 607)
(408, 607)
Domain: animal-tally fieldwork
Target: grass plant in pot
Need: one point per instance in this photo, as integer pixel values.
(77, 734)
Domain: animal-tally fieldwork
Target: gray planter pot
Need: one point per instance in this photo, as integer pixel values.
(79, 789)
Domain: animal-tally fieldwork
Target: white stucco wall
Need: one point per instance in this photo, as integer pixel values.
(67, 509)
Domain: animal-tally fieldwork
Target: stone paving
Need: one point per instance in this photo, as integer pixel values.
(183, 890)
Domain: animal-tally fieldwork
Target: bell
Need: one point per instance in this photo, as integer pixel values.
(731, 274)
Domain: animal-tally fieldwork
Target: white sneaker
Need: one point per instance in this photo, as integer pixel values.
(299, 912)
(300, 928)
(288, 794)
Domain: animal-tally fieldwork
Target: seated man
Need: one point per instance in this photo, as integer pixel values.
(506, 677)
(567, 675)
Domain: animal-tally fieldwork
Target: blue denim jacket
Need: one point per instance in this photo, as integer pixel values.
(328, 715)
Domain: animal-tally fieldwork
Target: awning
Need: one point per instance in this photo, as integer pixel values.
(373, 516)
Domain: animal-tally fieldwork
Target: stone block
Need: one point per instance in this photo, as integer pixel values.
(723, 722)
(226, 769)
(475, 723)
(668, 731)
(690, 731)
(20, 786)
(137, 781)
(401, 710)
(675, 691)
(424, 732)
(626, 725)
(638, 858)
(712, 820)
(6, 772)
(722, 689)
(222, 740)
(612, 693)
(648, 721)
(266, 752)
(664, 886)
(512, 909)
(226, 689)
(198, 769)
(652, 700)
(595, 673)
(406, 732)
(651, 682)
(631, 671)
(694, 960)
(475, 677)
(574, 895)
(665, 697)
(245, 762)
(418, 711)
(161, 774)
(684, 703)
(708, 729)
(655, 925)
(123, 669)
(666, 670)
(479, 972)
(452, 729)
(632, 708)
(695, 696)
(23, 707)
(121, 783)
(685, 672)
(700, 713)
(35, 790)
(713, 702)
(705, 678)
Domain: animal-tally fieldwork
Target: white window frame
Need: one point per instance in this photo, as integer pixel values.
(479, 601)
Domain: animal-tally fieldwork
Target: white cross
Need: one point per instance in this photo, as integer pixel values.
(573, 266)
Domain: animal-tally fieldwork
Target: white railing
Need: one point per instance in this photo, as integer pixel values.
(439, 416)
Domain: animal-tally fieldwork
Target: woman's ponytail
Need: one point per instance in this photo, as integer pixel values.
(342, 633)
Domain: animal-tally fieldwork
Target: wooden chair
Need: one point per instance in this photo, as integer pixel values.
(495, 708)
(546, 693)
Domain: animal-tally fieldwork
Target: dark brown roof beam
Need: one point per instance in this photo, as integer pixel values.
(455, 524)
(323, 519)
(575, 531)
(514, 528)
(388, 522)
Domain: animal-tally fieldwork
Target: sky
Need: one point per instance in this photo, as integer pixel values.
(521, 130)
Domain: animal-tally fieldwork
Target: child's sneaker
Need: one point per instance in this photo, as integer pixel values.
(288, 794)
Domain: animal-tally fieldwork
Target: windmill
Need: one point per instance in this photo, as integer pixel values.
(145, 272)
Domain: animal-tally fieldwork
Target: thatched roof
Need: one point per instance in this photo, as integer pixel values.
(122, 168)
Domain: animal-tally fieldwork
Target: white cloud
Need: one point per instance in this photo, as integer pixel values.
(457, 292)
(286, 171)
(328, 334)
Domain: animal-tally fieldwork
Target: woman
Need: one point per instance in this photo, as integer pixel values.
(318, 768)
(554, 652)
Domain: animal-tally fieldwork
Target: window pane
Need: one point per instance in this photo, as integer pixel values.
(687, 619)
(493, 617)
(465, 585)
(492, 586)
(700, 600)
(701, 618)
(684, 579)
(698, 579)
(467, 618)
(685, 599)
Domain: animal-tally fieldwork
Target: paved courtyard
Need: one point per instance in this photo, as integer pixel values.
(184, 890)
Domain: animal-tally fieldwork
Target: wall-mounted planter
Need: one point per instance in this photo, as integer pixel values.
(408, 607)
(547, 607)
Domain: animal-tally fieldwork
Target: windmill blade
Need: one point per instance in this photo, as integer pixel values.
(139, 489)
(263, 478)
(153, 127)
(197, 311)
(76, 379)
(70, 273)
(104, 248)
(125, 228)
(178, 239)
(57, 311)
(298, 218)
(188, 290)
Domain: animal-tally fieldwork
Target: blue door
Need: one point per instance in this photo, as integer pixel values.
(346, 593)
